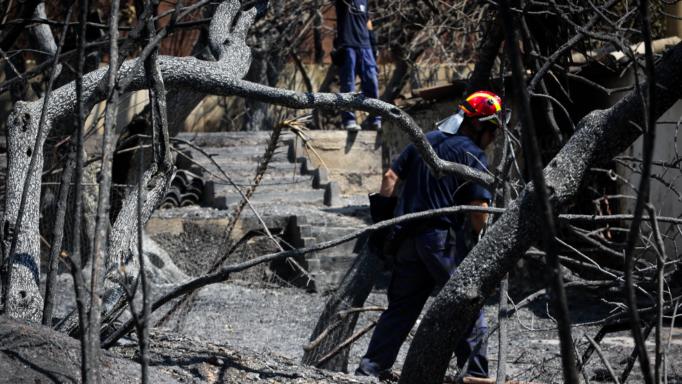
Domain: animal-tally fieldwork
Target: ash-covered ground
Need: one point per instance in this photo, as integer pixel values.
(268, 325)
(279, 321)
(254, 331)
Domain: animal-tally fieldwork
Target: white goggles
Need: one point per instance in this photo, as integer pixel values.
(498, 118)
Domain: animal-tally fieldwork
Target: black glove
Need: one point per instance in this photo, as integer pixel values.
(381, 207)
(383, 242)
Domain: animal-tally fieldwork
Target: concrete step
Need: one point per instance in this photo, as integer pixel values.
(325, 233)
(327, 280)
(287, 191)
(268, 181)
(239, 154)
(238, 165)
(312, 196)
(246, 168)
(347, 217)
(322, 234)
(339, 263)
(214, 190)
(231, 139)
(346, 248)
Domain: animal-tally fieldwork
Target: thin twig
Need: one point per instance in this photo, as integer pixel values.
(341, 316)
(346, 343)
(102, 224)
(649, 103)
(596, 347)
(532, 151)
(57, 237)
(660, 281)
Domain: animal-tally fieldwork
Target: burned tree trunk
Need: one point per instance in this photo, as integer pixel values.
(265, 69)
(10, 35)
(21, 294)
(600, 136)
(488, 51)
(404, 69)
(226, 42)
(41, 36)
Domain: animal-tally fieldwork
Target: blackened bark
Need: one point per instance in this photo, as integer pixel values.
(534, 162)
(404, 69)
(649, 104)
(162, 157)
(600, 136)
(41, 38)
(265, 69)
(317, 32)
(180, 101)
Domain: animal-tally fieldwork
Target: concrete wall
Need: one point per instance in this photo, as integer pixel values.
(666, 184)
(673, 25)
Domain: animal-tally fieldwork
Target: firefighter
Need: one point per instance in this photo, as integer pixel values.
(427, 252)
(354, 55)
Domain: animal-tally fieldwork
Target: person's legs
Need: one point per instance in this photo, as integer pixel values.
(347, 81)
(474, 349)
(369, 81)
(437, 253)
(410, 287)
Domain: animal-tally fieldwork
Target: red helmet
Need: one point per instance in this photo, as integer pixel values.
(484, 110)
(481, 103)
(484, 106)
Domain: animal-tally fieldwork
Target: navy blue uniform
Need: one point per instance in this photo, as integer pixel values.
(353, 42)
(427, 258)
(351, 24)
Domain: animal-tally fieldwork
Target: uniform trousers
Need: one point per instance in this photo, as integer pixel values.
(359, 62)
(423, 265)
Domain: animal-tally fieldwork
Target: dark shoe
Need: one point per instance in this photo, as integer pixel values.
(478, 380)
(389, 376)
(367, 368)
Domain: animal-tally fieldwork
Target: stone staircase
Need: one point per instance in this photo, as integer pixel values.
(288, 179)
(295, 199)
(328, 266)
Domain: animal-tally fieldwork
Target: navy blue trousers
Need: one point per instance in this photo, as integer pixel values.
(359, 61)
(423, 263)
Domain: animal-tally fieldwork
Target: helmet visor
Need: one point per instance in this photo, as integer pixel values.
(451, 124)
